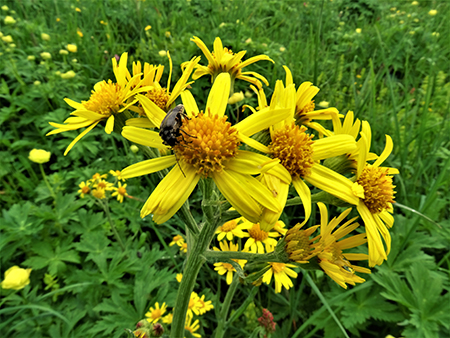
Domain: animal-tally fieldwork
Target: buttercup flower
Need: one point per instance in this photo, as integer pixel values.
(68, 75)
(235, 98)
(208, 147)
(72, 48)
(9, 20)
(331, 258)
(16, 278)
(281, 273)
(39, 156)
(46, 55)
(155, 313)
(432, 12)
(45, 37)
(224, 60)
(227, 268)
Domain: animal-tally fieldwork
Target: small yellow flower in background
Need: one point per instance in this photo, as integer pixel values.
(120, 192)
(416, 20)
(103, 23)
(281, 273)
(1, 34)
(178, 240)
(134, 148)
(46, 55)
(358, 30)
(415, 3)
(324, 104)
(97, 177)
(39, 156)
(68, 75)
(412, 32)
(45, 37)
(5, 8)
(205, 306)
(84, 189)
(12, 45)
(232, 228)
(79, 32)
(16, 278)
(432, 12)
(7, 38)
(72, 48)
(401, 22)
(167, 34)
(99, 193)
(162, 53)
(236, 97)
(116, 173)
(63, 52)
(183, 248)
(358, 76)
(78, 10)
(58, 19)
(102, 184)
(148, 27)
(179, 277)
(37, 83)
(192, 327)
(74, 60)
(393, 9)
(155, 313)
(248, 94)
(282, 49)
(258, 237)
(223, 24)
(168, 319)
(31, 58)
(9, 20)
(227, 268)
(436, 34)
(249, 40)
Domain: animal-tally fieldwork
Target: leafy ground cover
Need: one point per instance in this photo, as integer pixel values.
(97, 268)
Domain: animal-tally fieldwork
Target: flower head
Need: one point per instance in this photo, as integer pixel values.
(16, 278)
(224, 60)
(155, 313)
(72, 48)
(432, 12)
(68, 75)
(39, 156)
(46, 55)
(227, 268)
(9, 20)
(266, 321)
(232, 228)
(192, 327)
(45, 37)
(205, 305)
(258, 237)
(84, 189)
(281, 273)
(120, 192)
(299, 247)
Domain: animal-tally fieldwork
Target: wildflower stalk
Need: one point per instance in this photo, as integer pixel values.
(221, 327)
(105, 207)
(44, 176)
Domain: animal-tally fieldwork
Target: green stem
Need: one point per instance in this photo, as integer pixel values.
(44, 176)
(221, 328)
(222, 256)
(237, 314)
(105, 206)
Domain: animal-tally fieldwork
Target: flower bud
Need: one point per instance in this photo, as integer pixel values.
(9, 20)
(46, 55)
(235, 98)
(45, 37)
(39, 156)
(72, 48)
(16, 278)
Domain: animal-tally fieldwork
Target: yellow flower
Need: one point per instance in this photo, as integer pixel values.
(31, 58)
(192, 327)
(84, 189)
(97, 178)
(179, 277)
(37, 83)
(117, 174)
(236, 97)
(68, 75)
(168, 319)
(79, 32)
(227, 268)
(282, 49)
(358, 30)
(204, 306)
(46, 55)
(415, 3)
(432, 12)
(148, 27)
(194, 305)
(39, 156)
(224, 60)
(209, 147)
(281, 273)
(98, 193)
(184, 247)
(167, 34)
(120, 192)
(324, 104)
(58, 19)
(103, 23)
(134, 148)
(162, 53)
(155, 314)
(16, 278)
(299, 247)
(45, 37)
(7, 38)
(249, 40)
(331, 258)
(63, 52)
(232, 228)
(72, 48)
(178, 240)
(258, 237)
(9, 20)
(78, 10)
(107, 100)
(5, 8)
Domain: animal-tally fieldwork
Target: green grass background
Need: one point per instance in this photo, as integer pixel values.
(395, 74)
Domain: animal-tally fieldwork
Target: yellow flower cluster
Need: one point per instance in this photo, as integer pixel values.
(98, 187)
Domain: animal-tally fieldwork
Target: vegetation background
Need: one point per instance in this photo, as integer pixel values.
(388, 61)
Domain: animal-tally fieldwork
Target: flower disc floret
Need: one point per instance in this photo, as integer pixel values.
(378, 188)
(257, 234)
(294, 149)
(159, 96)
(105, 99)
(207, 142)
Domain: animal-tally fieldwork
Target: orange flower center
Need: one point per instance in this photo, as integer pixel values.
(229, 226)
(294, 149)
(378, 188)
(228, 266)
(85, 189)
(257, 234)
(207, 142)
(278, 267)
(105, 99)
(159, 96)
(122, 191)
(300, 112)
(156, 314)
(102, 185)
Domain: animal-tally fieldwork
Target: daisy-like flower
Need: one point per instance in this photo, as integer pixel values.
(331, 258)
(98, 193)
(179, 277)
(178, 240)
(104, 185)
(84, 189)
(280, 227)
(375, 192)
(224, 60)
(300, 155)
(258, 237)
(155, 313)
(120, 192)
(205, 306)
(299, 247)
(194, 305)
(232, 228)
(281, 273)
(209, 147)
(107, 100)
(116, 173)
(227, 268)
(192, 327)
(97, 177)
(184, 247)
(168, 319)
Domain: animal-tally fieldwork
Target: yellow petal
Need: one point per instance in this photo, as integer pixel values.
(253, 143)
(181, 83)
(218, 49)
(148, 166)
(305, 195)
(76, 139)
(153, 112)
(88, 115)
(246, 163)
(333, 146)
(140, 122)
(218, 96)
(263, 120)
(253, 60)
(289, 79)
(257, 75)
(74, 104)
(386, 152)
(109, 125)
(145, 137)
(205, 50)
(190, 106)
